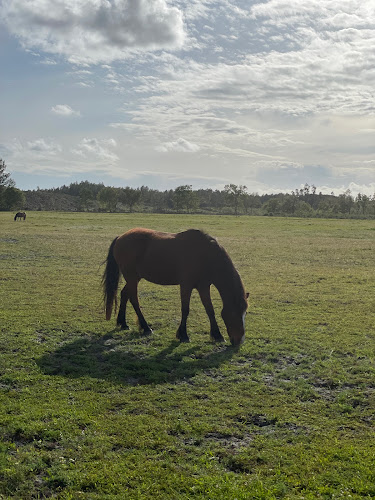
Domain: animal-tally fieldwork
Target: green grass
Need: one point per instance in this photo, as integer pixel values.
(90, 412)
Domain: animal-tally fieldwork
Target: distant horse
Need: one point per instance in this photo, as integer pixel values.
(20, 215)
(191, 259)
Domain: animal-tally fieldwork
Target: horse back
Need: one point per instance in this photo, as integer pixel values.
(140, 253)
(165, 258)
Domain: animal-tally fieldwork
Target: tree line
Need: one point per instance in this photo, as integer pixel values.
(233, 199)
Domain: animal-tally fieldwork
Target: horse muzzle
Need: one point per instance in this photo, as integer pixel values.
(238, 342)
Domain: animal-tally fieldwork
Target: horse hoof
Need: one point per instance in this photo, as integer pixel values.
(218, 341)
(217, 338)
(148, 331)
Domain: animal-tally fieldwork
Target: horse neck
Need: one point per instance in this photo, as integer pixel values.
(228, 282)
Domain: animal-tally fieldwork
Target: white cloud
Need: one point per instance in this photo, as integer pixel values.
(261, 90)
(272, 102)
(97, 148)
(48, 62)
(42, 146)
(64, 110)
(45, 155)
(33, 155)
(84, 84)
(94, 31)
(179, 146)
(355, 189)
(208, 9)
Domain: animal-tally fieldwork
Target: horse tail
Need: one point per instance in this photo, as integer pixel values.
(111, 277)
(15, 217)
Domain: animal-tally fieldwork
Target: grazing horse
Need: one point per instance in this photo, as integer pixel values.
(20, 215)
(191, 259)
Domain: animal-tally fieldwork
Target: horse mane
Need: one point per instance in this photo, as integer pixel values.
(238, 290)
(233, 276)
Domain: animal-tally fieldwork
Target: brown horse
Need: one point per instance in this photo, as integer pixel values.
(20, 215)
(191, 259)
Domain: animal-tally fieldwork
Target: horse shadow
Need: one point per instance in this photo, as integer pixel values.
(112, 357)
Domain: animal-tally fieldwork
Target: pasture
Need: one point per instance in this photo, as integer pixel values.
(91, 412)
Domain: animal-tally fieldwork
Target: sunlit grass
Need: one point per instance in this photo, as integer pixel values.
(87, 411)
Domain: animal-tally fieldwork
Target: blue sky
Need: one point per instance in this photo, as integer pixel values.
(269, 94)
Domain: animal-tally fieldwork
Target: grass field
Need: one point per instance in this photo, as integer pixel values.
(91, 412)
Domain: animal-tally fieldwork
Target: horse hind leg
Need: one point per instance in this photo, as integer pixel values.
(204, 293)
(121, 317)
(133, 297)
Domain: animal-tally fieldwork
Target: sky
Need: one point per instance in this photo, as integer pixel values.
(269, 94)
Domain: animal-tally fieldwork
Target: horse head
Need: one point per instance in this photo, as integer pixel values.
(234, 319)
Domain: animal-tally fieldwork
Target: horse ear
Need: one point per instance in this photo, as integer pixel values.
(247, 295)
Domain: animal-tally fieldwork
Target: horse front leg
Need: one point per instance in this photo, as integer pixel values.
(205, 295)
(185, 293)
(121, 317)
(133, 297)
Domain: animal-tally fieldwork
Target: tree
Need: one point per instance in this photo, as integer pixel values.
(363, 201)
(345, 202)
(12, 198)
(130, 197)
(289, 204)
(372, 204)
(184, 197)
(107, 197)
(85, 197)
(251, 201)
(5, 183)
(5, 179)
(272, 206)
(304, 209)
(234, 195)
